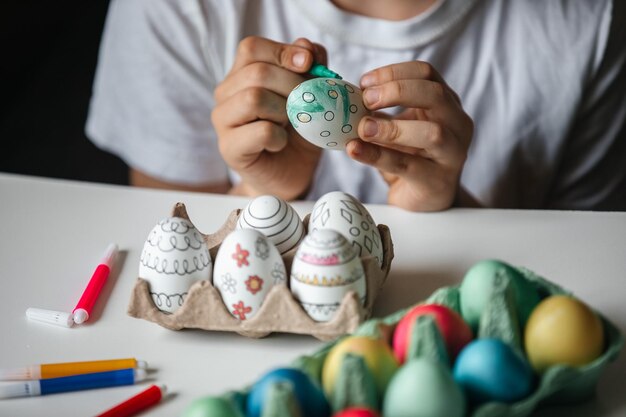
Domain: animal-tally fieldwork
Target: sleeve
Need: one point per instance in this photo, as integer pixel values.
(592, 172)
(152, 95)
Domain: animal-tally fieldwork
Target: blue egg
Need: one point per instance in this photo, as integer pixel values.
(490, 370)
(308, 395)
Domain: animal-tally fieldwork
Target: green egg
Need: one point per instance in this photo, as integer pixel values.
(423, 388)
(211, 407)
(479, 282)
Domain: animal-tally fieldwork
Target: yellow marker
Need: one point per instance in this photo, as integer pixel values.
(55, 370)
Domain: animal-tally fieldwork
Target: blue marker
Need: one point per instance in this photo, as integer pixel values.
(73, 383)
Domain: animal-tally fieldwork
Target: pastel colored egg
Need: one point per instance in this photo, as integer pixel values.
(326, 111)
(357, 412)
(478, 284)
(211, 407)
(563, 330)
(455, 332)
(325, 268)
(490, 370)
(423, 388)
(276, 219)
(247, 266)
(376, 353)
(344, 213)
(174, 257)
(308, 395)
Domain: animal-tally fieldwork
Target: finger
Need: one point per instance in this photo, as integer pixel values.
(388, 160)
(402, 71)
(436, 142)
(258, 74)
(256, 49)
(251, 104)
(242, 145)
(423, 94)
(319, 52)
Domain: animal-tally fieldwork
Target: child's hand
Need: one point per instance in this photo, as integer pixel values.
(254, 134)
(420, 152)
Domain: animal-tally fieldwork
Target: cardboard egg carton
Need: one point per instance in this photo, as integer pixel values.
(280, 312)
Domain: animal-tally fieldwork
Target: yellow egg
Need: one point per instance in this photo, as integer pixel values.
(375, 352)
(562, 330)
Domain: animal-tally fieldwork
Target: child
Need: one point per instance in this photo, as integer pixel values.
(497, 103)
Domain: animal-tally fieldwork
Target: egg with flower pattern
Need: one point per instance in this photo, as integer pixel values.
(325, 268)
(326, 111)
(174, 257)
(247, 266)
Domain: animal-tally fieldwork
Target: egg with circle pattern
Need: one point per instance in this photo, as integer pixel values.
(276, 219)
(174, 257)
(326, 111)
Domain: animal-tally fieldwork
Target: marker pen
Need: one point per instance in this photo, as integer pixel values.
(55, 370)
(319, 70)
(90, 295)
(73, 383)
(145, 399)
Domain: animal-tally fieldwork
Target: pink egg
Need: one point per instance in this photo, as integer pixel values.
(357, 412)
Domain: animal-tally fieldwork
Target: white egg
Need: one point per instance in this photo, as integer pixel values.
(174, 257)
(326, 267)
(326, 111)
(276, 219)
(247, 266)
(342, 212)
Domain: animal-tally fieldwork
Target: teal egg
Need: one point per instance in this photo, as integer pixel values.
(478, 284)
(423, 388)
(211, 407)
(326, 111)
(490, 370)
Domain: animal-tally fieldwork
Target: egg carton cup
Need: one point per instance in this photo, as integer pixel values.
(558, 385)
(204, 309)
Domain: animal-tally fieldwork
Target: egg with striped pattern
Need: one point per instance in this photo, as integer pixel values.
(276, 219)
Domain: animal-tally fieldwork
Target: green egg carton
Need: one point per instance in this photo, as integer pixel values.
(558, 385)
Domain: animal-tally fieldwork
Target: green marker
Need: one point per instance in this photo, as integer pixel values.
(319, 70)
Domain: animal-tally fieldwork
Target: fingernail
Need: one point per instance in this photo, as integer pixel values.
(370, 129)
(357, 149)
(371, 95)
(368, 80)
(299, 59)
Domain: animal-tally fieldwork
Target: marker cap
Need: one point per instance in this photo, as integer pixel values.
(59, 318)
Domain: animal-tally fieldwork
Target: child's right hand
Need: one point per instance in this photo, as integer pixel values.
(254, 134)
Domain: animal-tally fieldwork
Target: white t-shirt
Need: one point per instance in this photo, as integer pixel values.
(544, 82)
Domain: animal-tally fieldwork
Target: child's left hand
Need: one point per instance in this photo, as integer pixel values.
(420, 152)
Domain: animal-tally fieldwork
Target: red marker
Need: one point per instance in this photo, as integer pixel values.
(139, 402)
(90, 295)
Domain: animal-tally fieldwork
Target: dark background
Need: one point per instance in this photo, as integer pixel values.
(49, 51)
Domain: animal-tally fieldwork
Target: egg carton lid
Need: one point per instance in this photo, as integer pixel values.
(280, 312)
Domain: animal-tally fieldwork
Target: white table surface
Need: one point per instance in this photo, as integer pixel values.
(53, 233)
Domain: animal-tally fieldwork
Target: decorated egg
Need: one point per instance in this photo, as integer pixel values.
(325, 268)
(376, 353)
(563, 330)
(423, 388)
(490, 370)
(275, 219)
(247, 266)
(174, 257)
(326, 111)
(455, 332)
(344, 213)
(309, 397)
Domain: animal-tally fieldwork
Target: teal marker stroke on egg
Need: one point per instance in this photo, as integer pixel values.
(326, 111)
